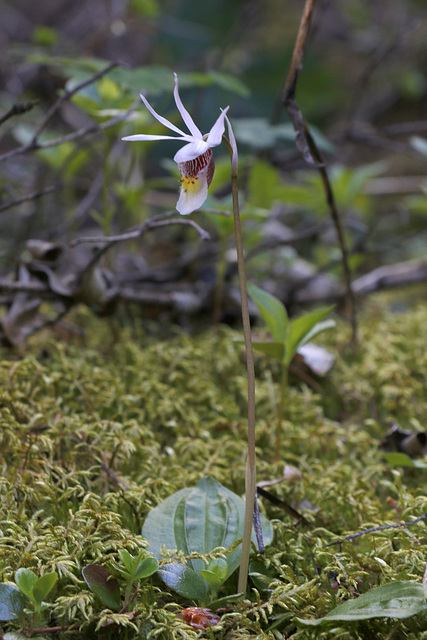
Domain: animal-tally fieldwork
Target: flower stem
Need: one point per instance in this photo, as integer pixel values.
(250, 480)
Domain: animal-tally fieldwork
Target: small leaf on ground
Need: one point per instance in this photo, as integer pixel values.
(393, 600)
(12, 602)
(101, 582)
(185, 581)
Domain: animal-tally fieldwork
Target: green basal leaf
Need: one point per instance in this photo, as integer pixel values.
(145, 568)
(185, 581)
(26, 579)
(12, 602)
(200, 519)
(159, 529)
(393, 600)
(101, 582)
(303, 329)
(272, 311)
(44, 585)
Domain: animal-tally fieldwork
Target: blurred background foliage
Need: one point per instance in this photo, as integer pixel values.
(362, 89)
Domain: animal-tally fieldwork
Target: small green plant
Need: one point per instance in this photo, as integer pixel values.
(287, 337)
(36, 589)
(135, 569)
(14, 599)
(106, 586)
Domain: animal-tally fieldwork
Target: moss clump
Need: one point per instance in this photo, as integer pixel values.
(94, 432)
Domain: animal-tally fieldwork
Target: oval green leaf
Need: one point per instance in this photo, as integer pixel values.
(145, 568)
(393, 600)
(26, 579)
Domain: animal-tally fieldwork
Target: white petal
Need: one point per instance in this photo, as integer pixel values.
(193, 197)
(184, 113)
(161, 119)
(191, 151)
(232, 139)
(148, 136)
(215, 134)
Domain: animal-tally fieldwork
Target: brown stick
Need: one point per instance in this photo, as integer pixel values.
(311, 153)
(17, 110)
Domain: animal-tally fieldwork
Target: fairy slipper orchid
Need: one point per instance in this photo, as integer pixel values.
(195, 159)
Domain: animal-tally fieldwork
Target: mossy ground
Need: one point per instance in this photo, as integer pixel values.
(131, 420)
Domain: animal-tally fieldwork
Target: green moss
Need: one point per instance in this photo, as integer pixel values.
(131, 420)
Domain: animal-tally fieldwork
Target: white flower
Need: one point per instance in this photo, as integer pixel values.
(195, 159)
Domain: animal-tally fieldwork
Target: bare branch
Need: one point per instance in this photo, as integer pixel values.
(141, 230)
(66, 96)
(18, 109)
(30, 196)
(138, 232)
(374, 529)
(94, 128)
(405, 128)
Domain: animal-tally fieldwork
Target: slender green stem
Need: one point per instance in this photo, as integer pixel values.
(281, 409)
(250, 480)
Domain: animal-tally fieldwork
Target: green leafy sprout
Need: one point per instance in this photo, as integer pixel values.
(106, 586)
(287, 337)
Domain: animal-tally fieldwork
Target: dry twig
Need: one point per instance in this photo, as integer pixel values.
(17, 110)
(30, 196)
(34, 144)
(311, 153)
